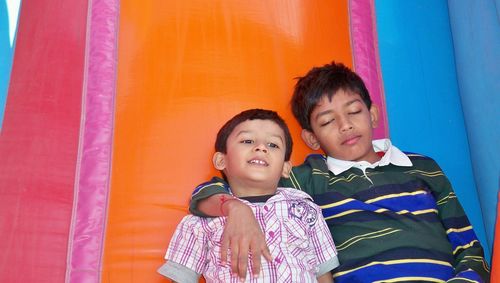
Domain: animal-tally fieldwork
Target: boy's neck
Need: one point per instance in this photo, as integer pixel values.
(257, 199)
(251, 190)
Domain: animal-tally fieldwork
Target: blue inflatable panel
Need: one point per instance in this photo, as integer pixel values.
(476, 37)
(422, 96)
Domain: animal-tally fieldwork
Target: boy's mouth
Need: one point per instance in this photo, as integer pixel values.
(351, 140)
(258, 162)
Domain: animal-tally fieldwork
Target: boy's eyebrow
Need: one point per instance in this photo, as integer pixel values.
(242, 132)
(328, 111)
(279, 137)
(353, 101)
(272, 135)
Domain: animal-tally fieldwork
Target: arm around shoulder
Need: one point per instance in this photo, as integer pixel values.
(206, 198)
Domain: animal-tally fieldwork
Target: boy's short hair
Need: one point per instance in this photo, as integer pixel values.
(253, 114)
(321, 81)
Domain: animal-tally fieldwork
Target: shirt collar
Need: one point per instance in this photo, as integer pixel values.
(392, 156)
(282, 194)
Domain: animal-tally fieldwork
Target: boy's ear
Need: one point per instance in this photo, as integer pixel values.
(374, 115)
(310, 139)
(219, 161)
(287, 167)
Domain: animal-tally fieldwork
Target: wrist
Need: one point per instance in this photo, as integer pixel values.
(226, 201)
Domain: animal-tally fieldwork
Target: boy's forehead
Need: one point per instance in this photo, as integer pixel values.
(255, 126)
(330, 95)
(331, 103)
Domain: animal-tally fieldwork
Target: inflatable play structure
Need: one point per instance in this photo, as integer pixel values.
(109, 111)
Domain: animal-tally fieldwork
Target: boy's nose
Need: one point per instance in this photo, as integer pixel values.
(261, 147)
(345, 125)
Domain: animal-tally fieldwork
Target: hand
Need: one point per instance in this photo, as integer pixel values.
(242, 234)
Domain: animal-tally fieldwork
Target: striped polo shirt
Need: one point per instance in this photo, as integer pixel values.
(397, 220)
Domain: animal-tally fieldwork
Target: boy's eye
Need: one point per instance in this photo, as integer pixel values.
(247, 141)
(355, 112)
(327, 122)
(273, 145)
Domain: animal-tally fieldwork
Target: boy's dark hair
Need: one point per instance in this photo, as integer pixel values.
(321, 81)
(253, 114)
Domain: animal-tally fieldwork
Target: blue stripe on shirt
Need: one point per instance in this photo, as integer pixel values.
(403, 269)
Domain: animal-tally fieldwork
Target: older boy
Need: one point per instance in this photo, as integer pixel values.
(393, 215)
(253, 151)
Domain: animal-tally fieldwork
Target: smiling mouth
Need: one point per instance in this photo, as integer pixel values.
(258, 162)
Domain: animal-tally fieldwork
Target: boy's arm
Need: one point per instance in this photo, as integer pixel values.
(469, 261)
(215, 187)
(186, 254)
(241, 234)
(178, 273)
(325, 278)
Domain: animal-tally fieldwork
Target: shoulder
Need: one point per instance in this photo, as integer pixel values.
(412, 156)
(201, 226)
(416, 156)
(315, 159)
(214, 183)
(190, 221)
(303, 211)
(294, 194)
(420, 160)
(298, 198)
(313, 162)
(310, 176)
(427, 169)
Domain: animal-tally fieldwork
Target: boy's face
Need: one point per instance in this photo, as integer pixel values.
(343, 127)
(255, 155)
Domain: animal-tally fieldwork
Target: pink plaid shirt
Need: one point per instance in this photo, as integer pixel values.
(296, 234)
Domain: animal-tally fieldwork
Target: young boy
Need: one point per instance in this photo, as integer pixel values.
(393, 215)
(253, 151)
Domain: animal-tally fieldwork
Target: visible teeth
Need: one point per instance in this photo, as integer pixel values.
(256, 161)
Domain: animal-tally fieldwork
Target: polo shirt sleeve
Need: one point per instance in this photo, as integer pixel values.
(178, 273)
(213, 187)
(187, 249)
(469, 261)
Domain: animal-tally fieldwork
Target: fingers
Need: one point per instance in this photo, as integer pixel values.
(267, 254)
(242, 235)
(223, 249)
(259, 248)
(234, 256)
(241, 258)
(256, 262)
(242, 264)
(239, 255)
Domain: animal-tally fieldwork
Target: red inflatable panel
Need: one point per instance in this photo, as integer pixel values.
(39, 141)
